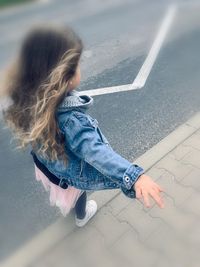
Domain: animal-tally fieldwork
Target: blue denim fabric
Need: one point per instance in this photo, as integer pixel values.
(93, 164)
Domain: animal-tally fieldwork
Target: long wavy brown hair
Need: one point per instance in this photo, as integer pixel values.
(37, 82)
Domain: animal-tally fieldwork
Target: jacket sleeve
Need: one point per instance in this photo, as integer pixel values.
(84, 141)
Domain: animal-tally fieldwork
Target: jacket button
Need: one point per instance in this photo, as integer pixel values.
(127, 179)
(63, 184)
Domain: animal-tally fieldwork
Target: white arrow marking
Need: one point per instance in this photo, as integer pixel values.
(145, 70)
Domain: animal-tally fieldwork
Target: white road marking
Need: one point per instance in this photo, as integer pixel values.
(107, 90)
(145, 70)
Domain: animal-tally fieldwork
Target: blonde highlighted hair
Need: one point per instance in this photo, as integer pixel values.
(38, 82)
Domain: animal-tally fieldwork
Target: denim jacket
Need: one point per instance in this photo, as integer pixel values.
(92, 163)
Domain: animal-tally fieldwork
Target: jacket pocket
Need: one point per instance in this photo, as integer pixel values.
(103, 138)
(95, 123)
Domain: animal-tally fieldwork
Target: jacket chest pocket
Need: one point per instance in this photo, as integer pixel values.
(103, 138)
(94, 122)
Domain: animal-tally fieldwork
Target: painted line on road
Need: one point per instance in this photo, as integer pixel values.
(145, 70)
(108, 90)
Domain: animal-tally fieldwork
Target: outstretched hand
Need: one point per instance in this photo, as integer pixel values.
(144, 187)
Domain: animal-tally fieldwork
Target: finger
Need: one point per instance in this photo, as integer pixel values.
(138, 193)
(157, 198)
(159, 188)
(146, 199)
(156, 189)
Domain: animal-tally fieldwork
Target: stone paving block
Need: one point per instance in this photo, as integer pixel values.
(174, 189)
(80, 236)
(55, 258)
(178, 253)
(192, 159)
(96, 253)
(181, 151)
(164, 262)
(136, 216)
(192, 236)
(42, 263)
(109, 226)
(192, 179)
(119, 203)
(195, 264)
(168, 262)
(58, 259)
(85, 245)
(132, 252)
(177, 168)
(93, 251)
(65, 250)
(155, 173)
(179, 221)
(90, 253)
(67, 261)
(193, 141)
(191, 205)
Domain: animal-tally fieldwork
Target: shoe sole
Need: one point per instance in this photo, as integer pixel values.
(79, 224)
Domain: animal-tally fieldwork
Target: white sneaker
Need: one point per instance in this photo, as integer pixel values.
(91, 208)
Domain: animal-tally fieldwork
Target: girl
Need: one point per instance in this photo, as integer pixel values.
(71, 155)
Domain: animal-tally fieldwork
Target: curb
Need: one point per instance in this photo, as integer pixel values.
(169, 143)
(52, 235)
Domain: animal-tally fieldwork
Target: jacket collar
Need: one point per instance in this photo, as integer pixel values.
(74, 99)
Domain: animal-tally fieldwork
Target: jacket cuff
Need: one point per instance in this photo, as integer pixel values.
(131, 175)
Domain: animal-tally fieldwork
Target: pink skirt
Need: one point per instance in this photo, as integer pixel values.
(65, 199)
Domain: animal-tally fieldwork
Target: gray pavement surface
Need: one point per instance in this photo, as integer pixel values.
(117, 36)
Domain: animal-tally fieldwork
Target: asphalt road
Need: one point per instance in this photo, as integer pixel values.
(117, 37)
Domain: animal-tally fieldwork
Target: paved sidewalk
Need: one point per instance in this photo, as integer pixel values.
(125, 232)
